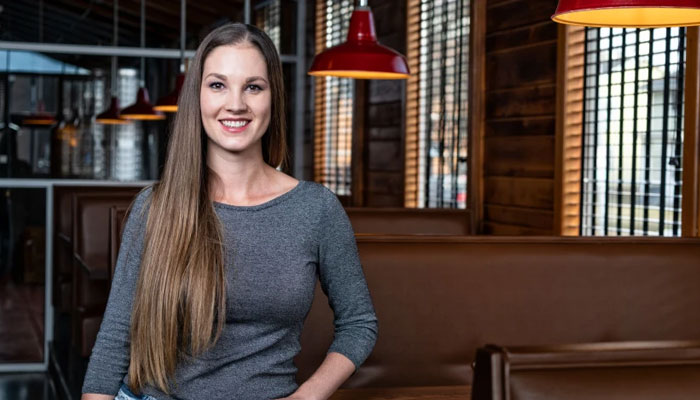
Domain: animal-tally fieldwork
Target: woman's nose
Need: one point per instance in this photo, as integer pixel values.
(236, 102)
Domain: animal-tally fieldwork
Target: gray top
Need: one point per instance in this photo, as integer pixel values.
(274, 253)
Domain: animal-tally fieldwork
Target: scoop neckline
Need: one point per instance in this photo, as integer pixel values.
(266, 204)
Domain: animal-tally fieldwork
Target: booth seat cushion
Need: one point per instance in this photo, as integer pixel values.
(618, 371)
(438, 299)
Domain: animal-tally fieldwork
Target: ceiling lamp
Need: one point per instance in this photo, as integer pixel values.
(168, 103)
(44, 119)
(361, 56)
(112, 116)
(142, 109)
(40, 117)
(628, 13)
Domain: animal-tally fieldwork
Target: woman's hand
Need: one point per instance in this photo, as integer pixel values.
(334, 370)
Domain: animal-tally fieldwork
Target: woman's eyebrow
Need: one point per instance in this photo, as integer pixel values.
(256, 78)
(215, 75)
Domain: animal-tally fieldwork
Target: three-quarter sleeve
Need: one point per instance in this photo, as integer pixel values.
(343, 281)
(109, 361)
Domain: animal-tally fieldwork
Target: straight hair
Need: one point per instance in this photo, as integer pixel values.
(180, 300)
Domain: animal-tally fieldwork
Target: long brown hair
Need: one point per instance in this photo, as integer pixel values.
(179, 305)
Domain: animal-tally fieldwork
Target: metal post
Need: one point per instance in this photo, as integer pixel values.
(300, 86)
(115, 40)
(183, 16)
(143, 42)
(246, 12)
(93, 50)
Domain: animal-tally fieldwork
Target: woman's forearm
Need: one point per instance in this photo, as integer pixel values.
(335, 369)
(93, 396)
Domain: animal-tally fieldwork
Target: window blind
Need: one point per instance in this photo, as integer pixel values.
(333, 103)
(437, 93)
(267, 18)
(633, 131)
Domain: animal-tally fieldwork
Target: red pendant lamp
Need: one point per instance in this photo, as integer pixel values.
(142, 109)
(39, 118)
(112, 116)
(361, 56)
(168, 103)
(628, 13)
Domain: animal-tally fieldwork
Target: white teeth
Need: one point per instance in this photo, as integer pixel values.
(234, 124)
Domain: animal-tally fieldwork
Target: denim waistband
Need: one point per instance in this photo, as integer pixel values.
(125, 394)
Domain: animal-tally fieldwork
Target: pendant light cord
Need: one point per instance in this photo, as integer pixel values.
(183, 15)
(115, 42)
(143, 42)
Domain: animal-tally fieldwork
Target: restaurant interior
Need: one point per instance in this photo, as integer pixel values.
(522, 178)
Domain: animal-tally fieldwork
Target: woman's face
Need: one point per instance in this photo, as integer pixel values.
(235, 99)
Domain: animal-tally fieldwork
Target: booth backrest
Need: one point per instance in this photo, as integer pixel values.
(611, 371)
(117, 221)
(409, 221)
(438, 299)
(91, 236)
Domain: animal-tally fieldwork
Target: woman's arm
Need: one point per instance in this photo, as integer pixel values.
(92, 396)
(343, 281)
(334, 370)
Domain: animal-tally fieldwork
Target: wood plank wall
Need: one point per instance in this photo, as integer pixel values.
(519, 126)
(384, 115)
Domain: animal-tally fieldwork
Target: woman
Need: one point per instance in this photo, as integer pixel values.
(218, 262)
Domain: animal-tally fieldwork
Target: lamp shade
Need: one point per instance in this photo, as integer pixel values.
(168, 103)
(111, 116)
(628, 13)
(39, 119)
(142, 109)
(361, 56)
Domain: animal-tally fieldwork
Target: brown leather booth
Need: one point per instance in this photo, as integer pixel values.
(91, 275)
(610, 371)
(438, 299)
(82, 259)
(409, 221)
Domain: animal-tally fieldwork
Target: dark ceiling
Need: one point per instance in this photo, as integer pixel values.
(91, 21)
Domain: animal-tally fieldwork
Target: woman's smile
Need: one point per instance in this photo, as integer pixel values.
(235, 125)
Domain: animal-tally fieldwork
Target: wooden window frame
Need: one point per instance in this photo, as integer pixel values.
(475, 114)
(568, 145)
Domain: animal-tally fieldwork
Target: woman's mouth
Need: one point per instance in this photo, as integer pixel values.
(234, 125)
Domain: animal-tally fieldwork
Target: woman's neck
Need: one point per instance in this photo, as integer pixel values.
(242, 179)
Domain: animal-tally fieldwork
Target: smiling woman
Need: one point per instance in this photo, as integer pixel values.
(235, 100)
(219, 261)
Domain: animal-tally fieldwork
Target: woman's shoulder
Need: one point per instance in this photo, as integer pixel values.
(316, 193)
(143, 198)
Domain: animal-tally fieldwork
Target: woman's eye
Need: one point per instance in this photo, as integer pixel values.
(216, 85)
(253, 88)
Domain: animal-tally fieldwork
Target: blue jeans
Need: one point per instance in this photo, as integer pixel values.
(125, 394)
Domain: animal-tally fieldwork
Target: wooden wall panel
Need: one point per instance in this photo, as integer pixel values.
(540, 219)
(527, 156)
(521, 101)
(520, 109)
(521, 66)
(519, 192)
(383, 172)
(504, 15)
